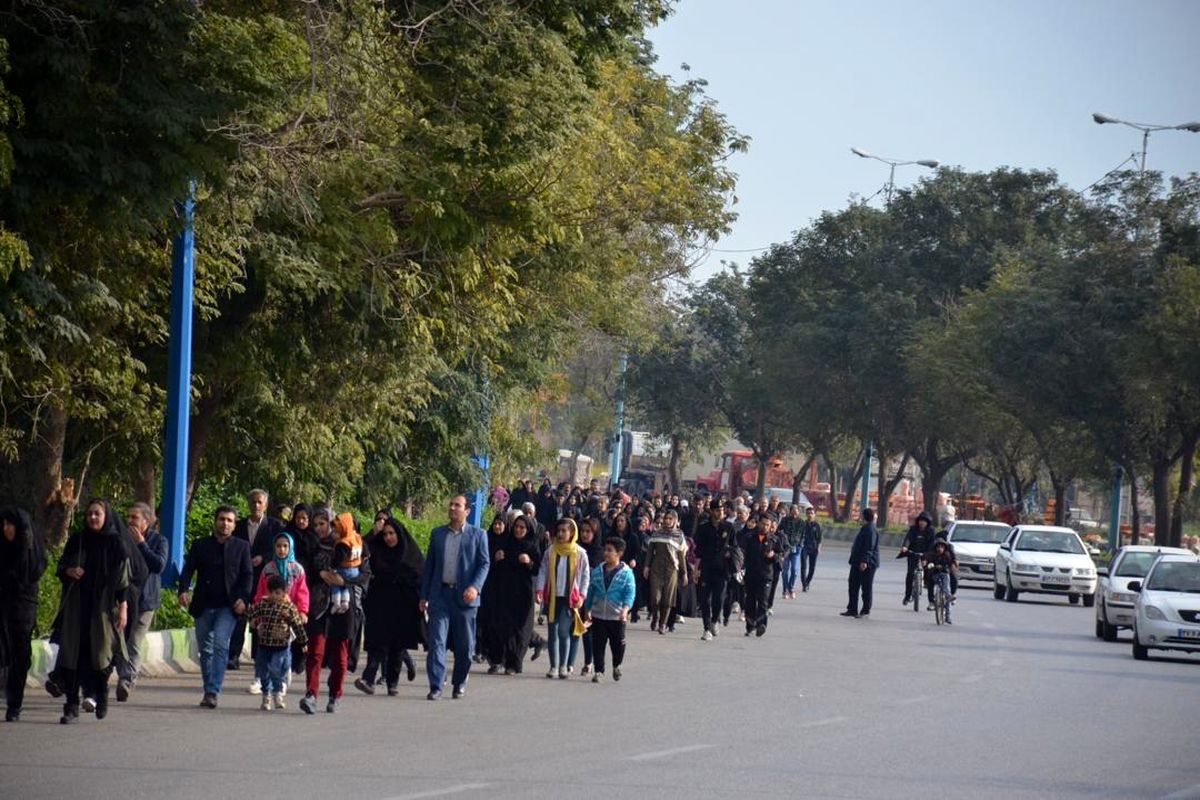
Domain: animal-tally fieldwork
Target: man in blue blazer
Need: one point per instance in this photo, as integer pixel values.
(455, 568)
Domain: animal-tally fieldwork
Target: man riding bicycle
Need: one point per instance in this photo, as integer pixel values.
(940, 566)
(917, 542)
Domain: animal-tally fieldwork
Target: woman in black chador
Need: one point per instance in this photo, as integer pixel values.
(510, 598)
(22, 562)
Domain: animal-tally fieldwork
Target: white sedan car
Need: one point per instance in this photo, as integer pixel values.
(1115, 607)
(975, 545)
(1044, 560)
(1166, 615)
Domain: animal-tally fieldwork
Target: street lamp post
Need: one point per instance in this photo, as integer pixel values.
(1114, 518)
(891, 185)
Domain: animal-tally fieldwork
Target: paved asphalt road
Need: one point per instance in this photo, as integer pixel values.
(1012, 701)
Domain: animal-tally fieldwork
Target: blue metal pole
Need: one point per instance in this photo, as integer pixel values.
(179, 391)
(479, 498)
(866, 476)
(1114, 513)
(614, 467)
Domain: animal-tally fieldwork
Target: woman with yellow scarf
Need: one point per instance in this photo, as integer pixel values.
(562, 585)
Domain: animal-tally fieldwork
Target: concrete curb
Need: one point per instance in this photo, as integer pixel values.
(170, 652)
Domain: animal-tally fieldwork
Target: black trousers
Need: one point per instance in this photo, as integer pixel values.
(712, 597)
(237, 640)
(775, 572)
(610, 633)
(387, 660)
(21, 655)
(757, 590)
(808, 565)
(861, 580)
(734, 593)
(913, 560)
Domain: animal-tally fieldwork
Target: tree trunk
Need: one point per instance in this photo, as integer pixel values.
(798, 478)
(203, 422)
(760, 483)
(1160, 481)
(1187, 481)
(1135, 513)
(855, 476)
(1060, 499)
(673, 464)
(886, 487)
(52, 499)
(833, 484)
(145, 481)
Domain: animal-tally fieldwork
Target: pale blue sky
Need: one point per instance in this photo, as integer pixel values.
(974, 83)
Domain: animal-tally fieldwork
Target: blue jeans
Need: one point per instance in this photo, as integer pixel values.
(214, 626)
(271, 667)
(791, 570)
(808, 565)
(448, 618)
(563, 646)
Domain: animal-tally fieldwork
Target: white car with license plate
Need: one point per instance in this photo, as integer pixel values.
(975, 545)
(1114, 607)
(1043, 559)
(1166, 615)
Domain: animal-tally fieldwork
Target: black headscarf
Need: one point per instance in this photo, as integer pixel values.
(405, 556)
(101, 553)
(23, 560)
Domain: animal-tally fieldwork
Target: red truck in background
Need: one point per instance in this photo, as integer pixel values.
(739, 471)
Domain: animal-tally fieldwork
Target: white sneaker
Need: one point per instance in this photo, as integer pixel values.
(278, 700)
(715, 631)
(553, 673)
(707, 637)
(283, 690)
(89, 704)
(265, 705)
(255, 687)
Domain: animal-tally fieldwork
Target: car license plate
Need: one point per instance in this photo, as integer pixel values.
(1060, 580)
(1189, 633)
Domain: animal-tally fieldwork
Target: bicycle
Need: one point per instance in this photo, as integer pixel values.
(941, 600)
(918, 583)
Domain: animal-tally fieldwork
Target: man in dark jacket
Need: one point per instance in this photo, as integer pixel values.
(761, 547)
(810, 547)
(714, 537)
(917, 542)
(153, 549)
(864, 560)
(224, 588)
(257, 530)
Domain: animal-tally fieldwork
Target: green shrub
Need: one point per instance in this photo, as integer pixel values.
(171, 614)
(49, 595)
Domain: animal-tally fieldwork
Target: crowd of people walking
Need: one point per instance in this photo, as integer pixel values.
(318, 595)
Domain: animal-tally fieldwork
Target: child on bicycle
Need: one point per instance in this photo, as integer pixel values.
(940, 564)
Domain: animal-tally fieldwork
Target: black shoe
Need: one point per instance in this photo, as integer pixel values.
(862, 614)
(459, 692)
(233, 664)
(412, 674)
(12, 715)
(208, 701)
(53, 689)
(70, 716)
(363, 686)
(760, 630)
(537, 650)
(848, 614)
(493, 669)
(393, 690)
(309, 704)
(101, 710)
(434, 694)
(123, 687)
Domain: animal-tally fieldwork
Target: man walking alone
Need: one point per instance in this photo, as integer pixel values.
(864, 560)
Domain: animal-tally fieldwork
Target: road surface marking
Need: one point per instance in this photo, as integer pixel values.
(909, 701)
(459, 789)
(1186, 793)
(976, 678)
(676, 751)
(819, 722)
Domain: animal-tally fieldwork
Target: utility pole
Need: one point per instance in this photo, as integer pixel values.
(614, 464)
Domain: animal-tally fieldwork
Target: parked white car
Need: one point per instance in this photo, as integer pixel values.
(975, 545)
(1114, 608)
(1044, 560)
(1166, 615)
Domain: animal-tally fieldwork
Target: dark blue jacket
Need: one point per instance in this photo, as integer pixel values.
(472, 568)
(154, 551)
(866, 546)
